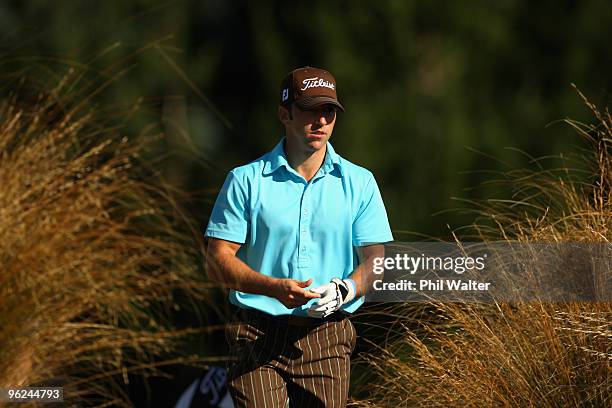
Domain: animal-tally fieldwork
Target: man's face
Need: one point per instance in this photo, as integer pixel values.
(309, 129)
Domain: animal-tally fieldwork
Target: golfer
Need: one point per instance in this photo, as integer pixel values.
(293, 235)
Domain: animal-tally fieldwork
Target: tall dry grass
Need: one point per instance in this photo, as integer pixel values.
(93, 251)
(528, 354)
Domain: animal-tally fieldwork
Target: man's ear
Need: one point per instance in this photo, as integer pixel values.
(284, 115)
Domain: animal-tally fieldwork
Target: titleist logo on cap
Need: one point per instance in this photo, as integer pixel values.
(309, 88)
(315, 82)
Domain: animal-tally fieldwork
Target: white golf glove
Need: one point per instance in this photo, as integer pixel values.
(333, 296)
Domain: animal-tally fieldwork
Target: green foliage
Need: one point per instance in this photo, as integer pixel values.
(421, 80)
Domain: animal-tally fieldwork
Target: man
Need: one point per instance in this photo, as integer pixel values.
(287, 235)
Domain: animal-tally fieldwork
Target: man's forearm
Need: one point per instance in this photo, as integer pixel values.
(229, 270)
(363, 275)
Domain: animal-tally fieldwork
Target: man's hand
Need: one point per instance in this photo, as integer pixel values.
(333, 296)
(291, 292)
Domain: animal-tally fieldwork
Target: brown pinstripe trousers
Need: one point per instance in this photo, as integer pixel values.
(276, 360)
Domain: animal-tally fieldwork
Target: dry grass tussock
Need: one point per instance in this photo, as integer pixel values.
(520, 354)
(92, 253)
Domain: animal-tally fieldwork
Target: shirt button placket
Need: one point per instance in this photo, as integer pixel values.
(303, 229)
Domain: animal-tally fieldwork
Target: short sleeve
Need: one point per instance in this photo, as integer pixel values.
(230, 216)
(370, 225)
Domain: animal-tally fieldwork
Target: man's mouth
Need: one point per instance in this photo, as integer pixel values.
(316, 134)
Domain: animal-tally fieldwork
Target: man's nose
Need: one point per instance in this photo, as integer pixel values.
(321, 118)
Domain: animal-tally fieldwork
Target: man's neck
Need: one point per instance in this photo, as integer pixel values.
(304, 163)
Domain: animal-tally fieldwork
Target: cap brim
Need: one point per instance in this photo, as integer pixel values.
(310, 102)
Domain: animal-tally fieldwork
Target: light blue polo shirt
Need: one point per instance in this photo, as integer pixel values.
(291, 228)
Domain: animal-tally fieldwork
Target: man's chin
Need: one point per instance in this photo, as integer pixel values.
(316, 144)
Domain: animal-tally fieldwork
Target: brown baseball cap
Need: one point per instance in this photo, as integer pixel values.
(308, 88)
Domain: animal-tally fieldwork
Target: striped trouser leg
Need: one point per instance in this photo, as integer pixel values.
(320, 378)
(273, 362)
(252, 379)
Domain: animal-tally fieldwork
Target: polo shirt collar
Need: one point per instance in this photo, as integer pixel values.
(277, 159)
(331, 159)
